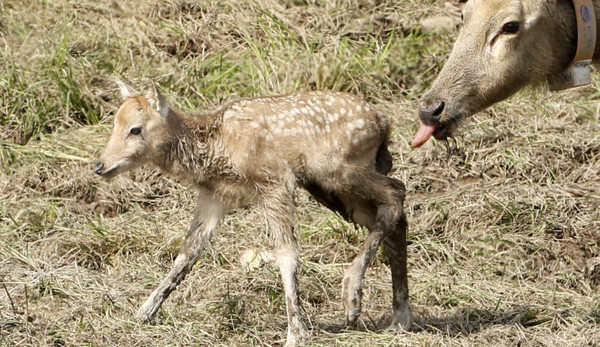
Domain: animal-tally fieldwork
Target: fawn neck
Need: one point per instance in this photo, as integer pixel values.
(191, 152)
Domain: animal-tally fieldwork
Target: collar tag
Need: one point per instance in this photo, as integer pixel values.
(578, 73)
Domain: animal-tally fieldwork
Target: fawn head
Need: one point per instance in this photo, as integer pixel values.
(140, 129)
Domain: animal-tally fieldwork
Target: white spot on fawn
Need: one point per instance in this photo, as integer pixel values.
(229, 114)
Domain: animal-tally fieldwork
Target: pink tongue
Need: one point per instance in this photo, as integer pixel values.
(424, 133)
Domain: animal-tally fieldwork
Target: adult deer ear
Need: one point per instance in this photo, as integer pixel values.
(157, 100)
(126, 90)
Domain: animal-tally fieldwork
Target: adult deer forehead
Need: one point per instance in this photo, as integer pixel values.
(130, 107)
(487, 9)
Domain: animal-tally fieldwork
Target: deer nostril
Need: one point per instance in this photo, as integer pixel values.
(438, 110)
(432, 112)
(98, 167)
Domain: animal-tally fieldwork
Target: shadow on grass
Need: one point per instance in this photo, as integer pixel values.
(464, 322)
(469, 320)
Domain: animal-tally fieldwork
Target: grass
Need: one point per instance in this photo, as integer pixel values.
(504, 244)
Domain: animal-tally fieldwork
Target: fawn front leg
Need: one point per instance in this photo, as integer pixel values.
(279, 212)
(207, 216)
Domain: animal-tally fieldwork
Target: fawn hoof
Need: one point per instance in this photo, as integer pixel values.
(144, 315)
(296, 340)
(352, 317)
(401, 320)
(352, 297)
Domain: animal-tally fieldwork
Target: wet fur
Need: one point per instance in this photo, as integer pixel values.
(257, 151)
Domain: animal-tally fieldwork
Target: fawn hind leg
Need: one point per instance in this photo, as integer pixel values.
(395, 247)
(361, 212)
(374, 200)
(352, 283)
(207, 216)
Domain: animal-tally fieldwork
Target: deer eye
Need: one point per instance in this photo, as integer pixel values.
(135, 131)
(511, 27)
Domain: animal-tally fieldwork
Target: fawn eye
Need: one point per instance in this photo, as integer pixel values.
(511, 27)
(135, 131)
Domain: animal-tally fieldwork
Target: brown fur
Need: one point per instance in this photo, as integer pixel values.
(256, 151)
(487, 66)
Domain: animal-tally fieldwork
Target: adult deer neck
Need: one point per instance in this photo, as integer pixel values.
(580, 21)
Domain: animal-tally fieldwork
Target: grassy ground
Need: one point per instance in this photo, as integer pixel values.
(504, 240)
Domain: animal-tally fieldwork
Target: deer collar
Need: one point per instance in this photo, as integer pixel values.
(578, 73)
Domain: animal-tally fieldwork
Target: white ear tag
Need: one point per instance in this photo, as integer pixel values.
(576, 75)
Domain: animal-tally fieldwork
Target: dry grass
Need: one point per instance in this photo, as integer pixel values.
(504, 241)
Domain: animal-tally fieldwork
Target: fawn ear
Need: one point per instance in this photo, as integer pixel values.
(157, 100)
(126, 90)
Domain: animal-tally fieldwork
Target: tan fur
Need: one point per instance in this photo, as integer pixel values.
(487, 66)
(256, 151)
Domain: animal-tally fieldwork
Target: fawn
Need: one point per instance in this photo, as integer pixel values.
(259, 151)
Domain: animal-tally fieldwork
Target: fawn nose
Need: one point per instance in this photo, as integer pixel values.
(431, 112)
(98, 168)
